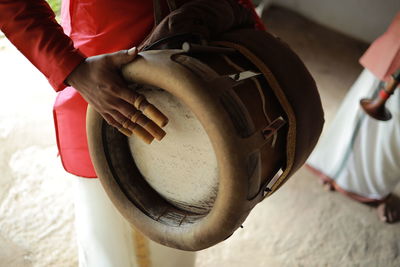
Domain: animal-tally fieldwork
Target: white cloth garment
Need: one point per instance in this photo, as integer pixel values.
(106, 239)
(360, 153)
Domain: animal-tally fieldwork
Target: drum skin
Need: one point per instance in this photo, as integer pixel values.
(234, 115)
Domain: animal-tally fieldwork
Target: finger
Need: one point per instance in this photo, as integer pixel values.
(110, 120)
(124, 56)
(149, 125)
(141, 103)
(136, 129)
(136, 116)
(126, 132)
(152, 112)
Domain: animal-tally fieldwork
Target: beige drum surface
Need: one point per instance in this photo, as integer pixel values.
(183, 166)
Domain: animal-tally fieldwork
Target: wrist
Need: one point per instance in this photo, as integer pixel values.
(69, 80)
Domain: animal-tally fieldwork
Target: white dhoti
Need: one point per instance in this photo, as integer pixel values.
(106, 239)
(361, 154)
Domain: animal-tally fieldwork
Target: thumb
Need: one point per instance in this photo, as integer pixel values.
(124, 56)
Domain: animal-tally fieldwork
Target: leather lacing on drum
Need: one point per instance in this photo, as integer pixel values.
(260, 91)
(279, 93)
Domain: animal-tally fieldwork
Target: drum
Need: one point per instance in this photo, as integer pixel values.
(231, 140)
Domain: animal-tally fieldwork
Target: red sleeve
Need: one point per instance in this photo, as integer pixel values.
(31, 26)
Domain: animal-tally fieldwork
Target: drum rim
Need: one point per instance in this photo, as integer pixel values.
(231, 205)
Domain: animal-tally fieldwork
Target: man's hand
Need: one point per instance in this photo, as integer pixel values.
(99, 80)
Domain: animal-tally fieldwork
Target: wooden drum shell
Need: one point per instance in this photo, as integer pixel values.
(245, 159)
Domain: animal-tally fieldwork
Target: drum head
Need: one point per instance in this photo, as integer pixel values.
(182, 168)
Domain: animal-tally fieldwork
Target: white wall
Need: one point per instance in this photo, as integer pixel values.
(362, 19)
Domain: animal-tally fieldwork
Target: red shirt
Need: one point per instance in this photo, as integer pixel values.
(95, 27)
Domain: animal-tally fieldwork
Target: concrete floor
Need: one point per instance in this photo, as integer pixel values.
(301, 225)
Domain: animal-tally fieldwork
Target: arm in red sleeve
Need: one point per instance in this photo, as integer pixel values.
(31, 26)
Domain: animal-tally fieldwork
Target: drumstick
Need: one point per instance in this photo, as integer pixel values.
(153, 113)
(148, 125)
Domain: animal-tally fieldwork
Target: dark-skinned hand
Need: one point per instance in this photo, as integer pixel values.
(99, 80)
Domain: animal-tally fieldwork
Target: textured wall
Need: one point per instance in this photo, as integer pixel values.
(361, 19)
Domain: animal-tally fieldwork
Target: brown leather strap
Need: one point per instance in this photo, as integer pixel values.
(162, 8)
(159, 11)
(172, 5)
